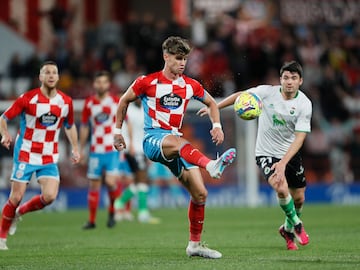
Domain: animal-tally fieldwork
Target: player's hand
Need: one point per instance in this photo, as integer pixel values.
(279, 172)
(203, 111)
(6, 140)
(217, 135)
(75, 156)
(119, 142)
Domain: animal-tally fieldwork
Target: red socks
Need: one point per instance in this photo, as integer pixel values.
(93, 202)
(8, 213)
(35, 203)
(193, 156)
(113, 194)
(196, 218)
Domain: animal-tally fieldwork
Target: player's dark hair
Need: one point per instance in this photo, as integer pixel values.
(102, 73)
(49, 62)
(176, 46)
(293, 67)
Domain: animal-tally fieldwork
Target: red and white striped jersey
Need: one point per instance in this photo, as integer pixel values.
(40, 121)
(100, 115)
(165, 101)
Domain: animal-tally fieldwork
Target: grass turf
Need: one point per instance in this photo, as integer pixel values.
(247, 237)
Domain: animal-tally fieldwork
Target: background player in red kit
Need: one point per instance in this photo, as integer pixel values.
(98, 120)
(43, 111)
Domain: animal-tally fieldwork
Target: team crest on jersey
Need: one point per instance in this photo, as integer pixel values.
(292, 110)
(101, 117)
(171, 101)
(48, 119)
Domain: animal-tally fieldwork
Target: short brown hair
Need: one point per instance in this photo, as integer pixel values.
(176, 46)
(49, 62)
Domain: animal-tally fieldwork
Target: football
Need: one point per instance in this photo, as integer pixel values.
(248, 106)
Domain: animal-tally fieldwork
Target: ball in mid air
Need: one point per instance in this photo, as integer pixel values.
(248, 106)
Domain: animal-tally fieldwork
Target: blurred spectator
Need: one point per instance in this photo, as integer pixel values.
(60, 19)
(16, 67)
(198, 28)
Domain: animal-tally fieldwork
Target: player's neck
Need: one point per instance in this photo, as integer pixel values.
(48, 92)
(169, 75)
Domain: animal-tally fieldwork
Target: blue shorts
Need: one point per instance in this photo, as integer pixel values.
(22, 172)
(102, 162)
(152, 146)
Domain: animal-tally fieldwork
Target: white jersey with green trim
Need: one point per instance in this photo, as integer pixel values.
(280, 119)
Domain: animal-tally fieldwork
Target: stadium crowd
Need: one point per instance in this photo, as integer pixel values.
(232, 51)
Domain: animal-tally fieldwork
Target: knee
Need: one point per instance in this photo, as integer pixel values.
(48, 198)
(299, 200)
(15, 198)
(200, 196)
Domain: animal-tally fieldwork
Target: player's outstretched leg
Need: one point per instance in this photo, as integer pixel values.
(217, 167)
(14, 222)
(289, 238)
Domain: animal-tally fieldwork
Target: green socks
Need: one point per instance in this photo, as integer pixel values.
(287, 204)
(126, 196)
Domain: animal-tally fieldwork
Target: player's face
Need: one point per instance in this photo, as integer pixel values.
(176, 63)
(102, 85)
(49, 76)
(290, 83)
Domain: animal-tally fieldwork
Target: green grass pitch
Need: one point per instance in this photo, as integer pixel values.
(247, 237)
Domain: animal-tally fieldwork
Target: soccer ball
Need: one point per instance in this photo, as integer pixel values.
(248, 106)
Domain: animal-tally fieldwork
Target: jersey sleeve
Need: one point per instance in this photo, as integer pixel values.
(85, 115)
(16, 108)
(138, 85)
(199, 91)
(303, 123)
(261, 91)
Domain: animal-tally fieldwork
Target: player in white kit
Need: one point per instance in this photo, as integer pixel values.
(138, 164)
(282, 128)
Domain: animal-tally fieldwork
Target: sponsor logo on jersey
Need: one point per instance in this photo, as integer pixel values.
(101, 117)
(171, 101)
(278, 122)
(48, 119)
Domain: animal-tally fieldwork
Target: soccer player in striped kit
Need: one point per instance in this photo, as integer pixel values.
(43, 111)
(165, 96)
(98, 120)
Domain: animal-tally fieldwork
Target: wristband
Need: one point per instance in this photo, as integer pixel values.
(216, 125)
(117, 131)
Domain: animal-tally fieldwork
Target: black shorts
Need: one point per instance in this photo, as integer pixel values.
(294, 171)
(137, 162)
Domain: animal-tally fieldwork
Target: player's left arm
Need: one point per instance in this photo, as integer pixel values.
(217, 134)
(72, 135)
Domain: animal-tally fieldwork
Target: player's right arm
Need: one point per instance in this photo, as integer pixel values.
(129, 96)
(14, 110)
(5, 136)
(228, 101)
